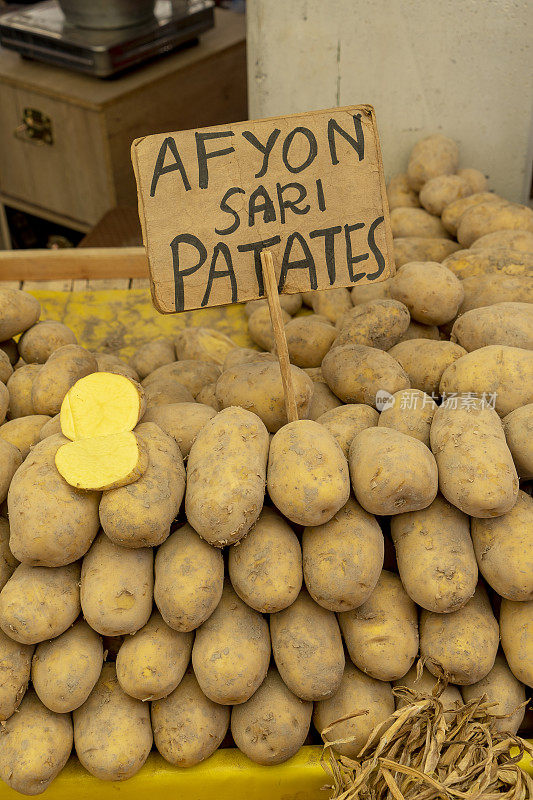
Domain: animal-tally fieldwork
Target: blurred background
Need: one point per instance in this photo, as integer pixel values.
(80, 79)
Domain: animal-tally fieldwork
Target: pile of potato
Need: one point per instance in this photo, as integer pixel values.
(261, 576)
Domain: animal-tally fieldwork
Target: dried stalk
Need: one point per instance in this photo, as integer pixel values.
(419, 753)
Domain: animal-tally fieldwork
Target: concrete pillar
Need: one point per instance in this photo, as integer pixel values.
(460, 67)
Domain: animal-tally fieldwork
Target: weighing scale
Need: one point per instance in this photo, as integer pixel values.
(40, 32)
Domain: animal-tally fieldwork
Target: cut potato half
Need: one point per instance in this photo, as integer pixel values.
(101, 404)
(103, 462)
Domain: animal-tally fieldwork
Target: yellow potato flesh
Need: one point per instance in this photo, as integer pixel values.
(104, 462)
(100, 404)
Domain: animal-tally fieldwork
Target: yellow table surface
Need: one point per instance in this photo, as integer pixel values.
(120, 321)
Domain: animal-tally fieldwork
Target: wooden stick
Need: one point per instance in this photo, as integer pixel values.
(271, 288)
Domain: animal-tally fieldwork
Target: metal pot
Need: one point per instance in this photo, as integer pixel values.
(107, 14)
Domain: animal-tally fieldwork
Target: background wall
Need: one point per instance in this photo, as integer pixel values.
(460, 67)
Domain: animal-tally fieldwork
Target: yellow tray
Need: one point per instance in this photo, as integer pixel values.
(227, 775)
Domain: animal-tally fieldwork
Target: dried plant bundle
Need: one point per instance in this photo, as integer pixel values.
(427, 752)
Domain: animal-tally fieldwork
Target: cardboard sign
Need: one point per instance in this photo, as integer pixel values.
(308, 187)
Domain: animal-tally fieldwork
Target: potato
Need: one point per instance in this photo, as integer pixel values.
(322, 401)
(167, 390)
(430, 291)
(203, 344)
(258, 387)
(434, 155)
(355, 373)
(357, 692)
(476, 470)
(23, 432)
(442, 190)
(230, 453)
(9, 347)
(152, 355)
(475, 179)
(207, 396)
(504, 550)
(315, 373)
(381, 634)
(378, 323)
(64, 367)
(308, 340)
(8, 562)
(266, 567)
(331, 303)
(189, 576)
(478, 263)
(10, 461)
(100, 405)
(462, 644)
(425, 683)
(65, 670)
(15, 666)
(102, 462)
(453, 212)
(116, 587)
(112, 731)
(39, 603)
(38, 343)
(503, 374)
(307, 479)
(411, 412)
(110, 363)
(140, 515)
(346, 421)
(6, 370)
(365, 292)
(4, 402)
(509, 324)
(516, 629)
(20, 387)
(194, 375)
(342, 559)
(260, 327)
(291, 303)
(231, 651)
(487, 290)
(391, 473)
(36, 745)
(182, 421)
(416, 222)
(52, 524)
(400, 194)
(518, 429)
(18, 312)
(518, 240)
(245, 355)
(307, 648)
(50, 428)
(202, 724)
(500, 687)
(490, 217)
(425, 361)
(151, 663)
(273, 724)
(436, 560)
(418, 248)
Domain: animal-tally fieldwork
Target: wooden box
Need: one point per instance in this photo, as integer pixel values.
(86, 169)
